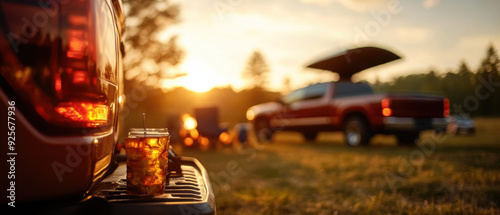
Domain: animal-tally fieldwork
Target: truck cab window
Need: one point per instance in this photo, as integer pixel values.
(294, 96)
(311, 92)
(315, 91)
(343, 89)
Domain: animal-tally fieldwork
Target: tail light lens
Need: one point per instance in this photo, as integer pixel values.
(446, 107)
(65, 68)
(386, 109)
(95, 114)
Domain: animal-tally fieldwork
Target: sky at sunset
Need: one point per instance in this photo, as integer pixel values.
(219, 36)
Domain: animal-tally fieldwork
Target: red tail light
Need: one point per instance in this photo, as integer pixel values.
(386, 109)
(90, 113)
(68, 74)
(446, 107)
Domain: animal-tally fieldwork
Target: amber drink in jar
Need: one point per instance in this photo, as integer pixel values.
(147, 160)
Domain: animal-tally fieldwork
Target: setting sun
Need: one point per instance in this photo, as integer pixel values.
(200, 77)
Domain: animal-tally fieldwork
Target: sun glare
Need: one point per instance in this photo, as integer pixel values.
(200, 77)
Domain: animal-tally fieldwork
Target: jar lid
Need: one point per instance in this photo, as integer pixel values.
(149, 132)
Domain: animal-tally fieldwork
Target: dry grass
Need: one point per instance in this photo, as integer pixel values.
(447, 175)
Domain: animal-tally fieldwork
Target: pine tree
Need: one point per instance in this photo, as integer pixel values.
(464, 84)
(256, 70)
(431, 83)
(287, 84)
(488, 76)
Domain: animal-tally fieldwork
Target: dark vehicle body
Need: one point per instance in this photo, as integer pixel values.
(352, 108)
(61, 87)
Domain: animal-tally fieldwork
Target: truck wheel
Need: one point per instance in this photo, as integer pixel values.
(263, 131)
(356, 131)
(310, 136)
(407, 138)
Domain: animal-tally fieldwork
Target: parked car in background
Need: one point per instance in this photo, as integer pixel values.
(61, 87)
(350, 107)
(460, 124)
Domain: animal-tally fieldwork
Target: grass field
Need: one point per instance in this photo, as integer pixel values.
(443, 175)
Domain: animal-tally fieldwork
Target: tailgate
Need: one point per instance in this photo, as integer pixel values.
(421, 106)
(189, 193)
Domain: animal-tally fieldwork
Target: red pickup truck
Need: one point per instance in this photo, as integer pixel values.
(350, 107)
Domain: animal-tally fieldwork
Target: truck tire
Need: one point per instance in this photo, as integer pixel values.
(263, 131)
(310, 136)
(408, 138)
(356, 131)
